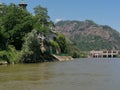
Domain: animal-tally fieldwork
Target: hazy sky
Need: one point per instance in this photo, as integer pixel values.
(104, 12)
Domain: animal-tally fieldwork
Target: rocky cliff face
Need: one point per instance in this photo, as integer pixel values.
(87, 35)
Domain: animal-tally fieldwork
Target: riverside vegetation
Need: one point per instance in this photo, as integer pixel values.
(32, 38)
(27, 38)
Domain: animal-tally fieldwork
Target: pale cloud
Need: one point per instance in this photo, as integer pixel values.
(58, 19)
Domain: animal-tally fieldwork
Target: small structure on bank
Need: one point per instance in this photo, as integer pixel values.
(104, 54)
(23, 5)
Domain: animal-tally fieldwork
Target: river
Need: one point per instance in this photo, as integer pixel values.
(80, 74)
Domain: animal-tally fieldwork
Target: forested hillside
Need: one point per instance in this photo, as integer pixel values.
(87, 35)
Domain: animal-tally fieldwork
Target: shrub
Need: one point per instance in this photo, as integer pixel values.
(11, 55)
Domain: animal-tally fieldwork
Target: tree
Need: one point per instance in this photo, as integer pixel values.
(16, 22)
(62, 42)
(55, 46)
(31, 51)
(41, 15)
(3, 40)
(42, 20)
(3, 36)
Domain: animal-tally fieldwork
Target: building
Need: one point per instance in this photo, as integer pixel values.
(23, 5)
(104, 54)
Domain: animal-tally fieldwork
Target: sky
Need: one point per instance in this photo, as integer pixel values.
(103, 12)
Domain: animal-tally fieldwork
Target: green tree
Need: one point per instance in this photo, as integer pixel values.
(55, 46)
(42, 20)
(3, 36)
(31, 51)
(16, 22)
(41, 14)
(62, 42)
(3, 41)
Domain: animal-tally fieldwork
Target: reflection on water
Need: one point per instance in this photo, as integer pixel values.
(28, 72)
(80, 74)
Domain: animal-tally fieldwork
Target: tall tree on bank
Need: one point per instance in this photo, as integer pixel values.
(15, 23)
(62, 42)
(2, 34)
(42, 20)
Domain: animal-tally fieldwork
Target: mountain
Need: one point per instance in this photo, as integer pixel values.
(87, 35)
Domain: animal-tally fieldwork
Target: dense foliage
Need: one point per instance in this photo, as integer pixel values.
(15, 23)
(28, 38)
(87, 43)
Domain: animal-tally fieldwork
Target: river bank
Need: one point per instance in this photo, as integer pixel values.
(48, 58)
(3, 62)
(63, 58)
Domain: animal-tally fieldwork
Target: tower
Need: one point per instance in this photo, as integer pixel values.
(23, 5)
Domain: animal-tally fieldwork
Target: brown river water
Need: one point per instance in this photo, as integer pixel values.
(80, 74)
